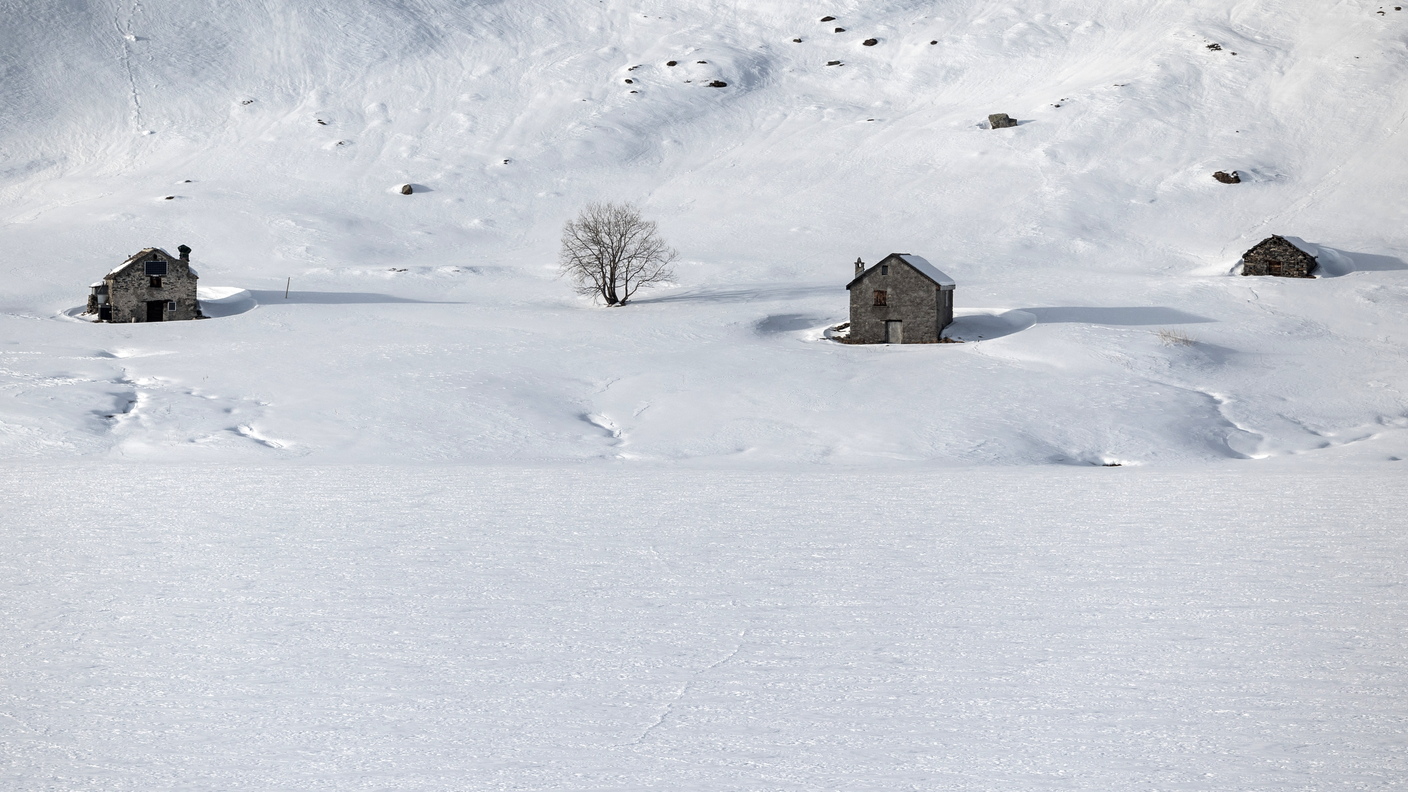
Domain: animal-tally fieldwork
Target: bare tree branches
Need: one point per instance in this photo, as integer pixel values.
(610, 251)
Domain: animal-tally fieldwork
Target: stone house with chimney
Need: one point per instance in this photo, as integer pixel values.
(901, 300)
(1277, 256)
(151, 286)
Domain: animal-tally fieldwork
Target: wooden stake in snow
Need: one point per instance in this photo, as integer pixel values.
(286, 285)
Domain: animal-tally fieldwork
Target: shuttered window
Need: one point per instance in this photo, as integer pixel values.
(879, 297)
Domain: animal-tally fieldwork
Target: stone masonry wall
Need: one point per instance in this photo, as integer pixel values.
(129, 290)
(1276, 256)
(910, 298)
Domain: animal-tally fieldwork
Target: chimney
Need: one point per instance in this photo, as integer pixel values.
(185, 253)
(860, 266)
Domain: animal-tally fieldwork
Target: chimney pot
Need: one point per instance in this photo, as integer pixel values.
(185, 253)
(860, 266)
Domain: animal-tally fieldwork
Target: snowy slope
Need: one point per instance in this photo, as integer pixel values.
(1096, 220)
(427, 521)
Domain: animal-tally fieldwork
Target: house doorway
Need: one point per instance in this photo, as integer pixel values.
(105, 313)
(894, 332)
(156, 310)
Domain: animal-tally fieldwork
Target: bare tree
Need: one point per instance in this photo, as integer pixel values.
(610, 251)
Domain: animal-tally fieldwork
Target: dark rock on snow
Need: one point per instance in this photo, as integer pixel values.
(1228, 178)
(1001, 121)
(870, 42)
(407, 189)
(718, 84)
(828, 19)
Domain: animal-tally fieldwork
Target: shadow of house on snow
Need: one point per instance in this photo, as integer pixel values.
(761, 294)
(275, 297)
(1335, 262)
(788, 323)
(1134, 316)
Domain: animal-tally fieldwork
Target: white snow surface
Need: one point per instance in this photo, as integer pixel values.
(405, 513)
(626, 628)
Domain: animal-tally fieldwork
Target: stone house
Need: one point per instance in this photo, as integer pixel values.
(1276, 256)
(901, 300)
(152, 286)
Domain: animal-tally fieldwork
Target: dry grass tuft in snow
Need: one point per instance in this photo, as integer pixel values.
(1174, 337)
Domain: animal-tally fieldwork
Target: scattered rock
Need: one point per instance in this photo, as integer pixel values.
(1001, 121)
(796, 41)
(407, 189)
(322, 122)
(169, 198)
(507, 161)
(630, 81)
(1215, 47)
(833, 63)
(840, 30)
(870, 42)
(186, 181)
(635, 92)
(718, 84)
(828, 19)
(633, 68)
(701, 61)
(1228, 178)
(247, 102)
(935, 41)
(672, 63)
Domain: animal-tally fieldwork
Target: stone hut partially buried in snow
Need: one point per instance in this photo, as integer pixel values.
(1277, 256)
(152, 286)
(901, 300)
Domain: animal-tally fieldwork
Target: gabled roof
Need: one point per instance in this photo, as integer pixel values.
(926, 269)
(920, 265)
(1295, 242)
(142, 254)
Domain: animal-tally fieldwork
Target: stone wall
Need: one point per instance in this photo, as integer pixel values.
(909, 297)
(1276, 256)
(130, 289)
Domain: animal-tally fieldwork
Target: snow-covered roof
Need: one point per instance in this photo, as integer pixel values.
(134, 257)
(928, 270)
(920, 264)
(96, 285)
(141, 255)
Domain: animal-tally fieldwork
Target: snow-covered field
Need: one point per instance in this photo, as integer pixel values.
(448, 628)
(432, 522)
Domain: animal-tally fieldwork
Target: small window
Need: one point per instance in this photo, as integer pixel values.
(156, 267)
(879, 297)
(156, 281)
(884, 269)
(171, 305)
